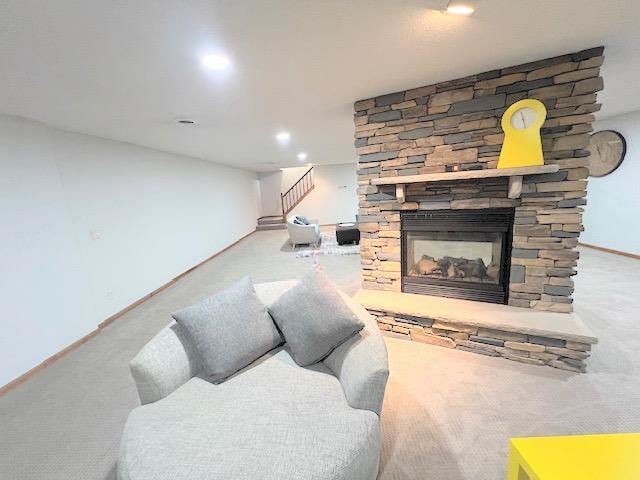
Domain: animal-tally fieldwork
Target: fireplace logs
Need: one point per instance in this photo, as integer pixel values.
(456, 268)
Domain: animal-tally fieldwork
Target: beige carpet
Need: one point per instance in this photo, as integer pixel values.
(447, 414)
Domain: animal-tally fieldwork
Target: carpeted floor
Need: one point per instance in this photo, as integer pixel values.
(447, 414)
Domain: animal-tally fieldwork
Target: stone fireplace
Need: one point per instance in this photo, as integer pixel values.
(438, 218)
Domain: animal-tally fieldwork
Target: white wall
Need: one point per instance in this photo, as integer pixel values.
(270, 188)
(272, 184)
(334, 198)
(291, 175)
(89, 226)
(612, 213)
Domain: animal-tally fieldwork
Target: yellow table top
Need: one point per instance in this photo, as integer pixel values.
(582, 457)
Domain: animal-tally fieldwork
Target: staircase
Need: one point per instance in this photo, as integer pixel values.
(288, 200)
(296, 193)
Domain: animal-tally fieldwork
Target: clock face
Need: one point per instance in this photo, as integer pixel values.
(523, 118)
(607, 149)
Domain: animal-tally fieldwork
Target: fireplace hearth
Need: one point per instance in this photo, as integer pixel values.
(461, 254)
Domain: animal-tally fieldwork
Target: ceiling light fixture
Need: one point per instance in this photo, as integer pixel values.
(216, 62)
(186, 121)
(302, 156)
(460, 7)
(283, 137)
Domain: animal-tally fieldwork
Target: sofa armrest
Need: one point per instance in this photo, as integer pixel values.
(164, 364)
(361, 364)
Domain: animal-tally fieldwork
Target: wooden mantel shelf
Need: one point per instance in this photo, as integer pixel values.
(515, 178)
(466, 175)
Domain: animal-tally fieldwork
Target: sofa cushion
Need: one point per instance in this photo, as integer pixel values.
(272, 421)
(313, 318)
(229, 330)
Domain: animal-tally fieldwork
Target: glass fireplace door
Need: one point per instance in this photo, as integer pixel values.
(459, 256)
(457, 253)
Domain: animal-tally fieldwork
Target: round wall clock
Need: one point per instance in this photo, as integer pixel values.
(608, 149)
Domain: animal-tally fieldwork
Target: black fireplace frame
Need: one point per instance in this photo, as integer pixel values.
(495, 220)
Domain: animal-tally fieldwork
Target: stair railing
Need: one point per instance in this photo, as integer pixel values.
(296, 193)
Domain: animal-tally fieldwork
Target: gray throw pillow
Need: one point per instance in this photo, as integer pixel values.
(229, 330)
(314, 319)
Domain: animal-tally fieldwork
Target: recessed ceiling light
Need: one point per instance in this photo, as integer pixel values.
(216, 62)
(186, 121)
(283, 137)
(302, 156)
(460, 8)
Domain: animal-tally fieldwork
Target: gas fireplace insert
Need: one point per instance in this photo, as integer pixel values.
(457, 253)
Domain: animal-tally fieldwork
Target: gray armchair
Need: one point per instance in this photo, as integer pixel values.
(303, 234)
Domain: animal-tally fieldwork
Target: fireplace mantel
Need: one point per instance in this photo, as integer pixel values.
(515, 178)
(466, 175)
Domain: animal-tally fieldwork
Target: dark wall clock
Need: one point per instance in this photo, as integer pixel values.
(608, 149)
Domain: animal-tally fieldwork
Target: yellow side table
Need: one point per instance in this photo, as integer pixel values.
(576, 457)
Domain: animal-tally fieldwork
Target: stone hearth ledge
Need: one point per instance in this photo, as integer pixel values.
(535, 337)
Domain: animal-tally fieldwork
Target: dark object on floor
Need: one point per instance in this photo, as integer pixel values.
(347, 233)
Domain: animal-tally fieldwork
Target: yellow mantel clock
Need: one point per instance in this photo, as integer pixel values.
(522, 145)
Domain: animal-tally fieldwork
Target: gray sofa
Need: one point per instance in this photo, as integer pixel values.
(272, 420)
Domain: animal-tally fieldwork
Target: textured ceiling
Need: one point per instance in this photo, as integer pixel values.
(126, 69)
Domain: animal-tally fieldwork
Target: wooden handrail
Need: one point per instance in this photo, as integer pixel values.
(295, 184)
(296, 193)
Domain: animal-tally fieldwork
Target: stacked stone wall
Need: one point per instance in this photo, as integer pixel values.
(455, 125)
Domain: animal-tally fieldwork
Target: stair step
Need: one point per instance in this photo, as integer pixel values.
(270, 220)
(274, 226)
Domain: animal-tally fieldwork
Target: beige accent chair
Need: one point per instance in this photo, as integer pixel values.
(303, 234)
